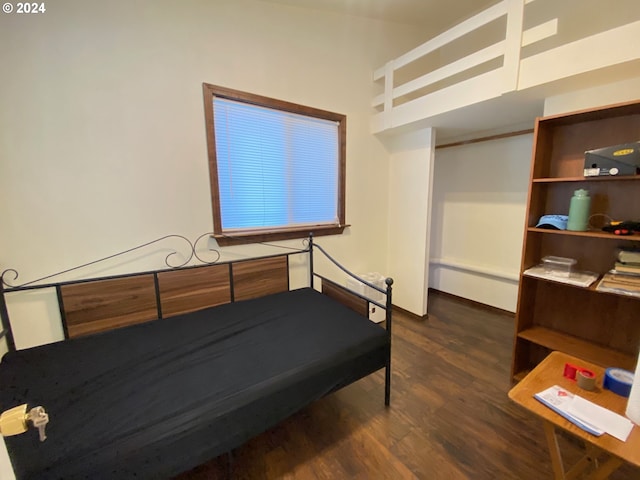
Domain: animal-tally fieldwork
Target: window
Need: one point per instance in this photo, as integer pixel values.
(277, 169)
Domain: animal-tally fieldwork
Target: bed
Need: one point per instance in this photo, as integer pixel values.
(162, 371)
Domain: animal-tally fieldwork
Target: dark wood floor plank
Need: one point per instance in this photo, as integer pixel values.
(450, 417)
(426, 457)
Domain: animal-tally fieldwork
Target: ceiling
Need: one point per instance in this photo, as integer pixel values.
(434, 16)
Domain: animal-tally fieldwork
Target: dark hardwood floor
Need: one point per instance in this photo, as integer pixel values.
(450, 417)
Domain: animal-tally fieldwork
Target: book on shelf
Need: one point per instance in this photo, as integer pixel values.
(630, 268)
(620, 283)
(629, 255)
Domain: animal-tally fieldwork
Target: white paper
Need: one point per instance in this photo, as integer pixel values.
(558, 399)
(633, 404)
(615, 425)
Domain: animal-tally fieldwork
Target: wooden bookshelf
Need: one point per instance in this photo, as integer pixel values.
(602, 328)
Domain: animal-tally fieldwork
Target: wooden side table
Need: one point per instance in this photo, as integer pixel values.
(549, 373)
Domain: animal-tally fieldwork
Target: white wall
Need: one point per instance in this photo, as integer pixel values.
(617, 92)
(102, 137)
(410, 185)
(478, 215)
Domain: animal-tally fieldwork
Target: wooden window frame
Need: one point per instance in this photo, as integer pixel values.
(261, 235)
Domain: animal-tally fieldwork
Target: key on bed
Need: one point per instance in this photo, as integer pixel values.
(39, 418)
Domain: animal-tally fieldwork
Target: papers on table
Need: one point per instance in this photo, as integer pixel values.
(612, 423)
(559, 399)
(585, 414)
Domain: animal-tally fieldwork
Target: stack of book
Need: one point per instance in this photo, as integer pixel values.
(625, 276)
(628, 261)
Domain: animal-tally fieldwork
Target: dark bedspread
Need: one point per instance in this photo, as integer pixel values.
(156, 399)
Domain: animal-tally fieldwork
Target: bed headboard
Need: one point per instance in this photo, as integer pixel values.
(103, 304)
(100, 304)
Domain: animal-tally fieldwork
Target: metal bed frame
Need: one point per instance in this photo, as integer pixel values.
(6, 287)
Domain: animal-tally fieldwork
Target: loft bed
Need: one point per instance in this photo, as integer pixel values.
(164, 370)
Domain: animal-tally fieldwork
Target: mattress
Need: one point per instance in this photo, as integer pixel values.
(156, 399)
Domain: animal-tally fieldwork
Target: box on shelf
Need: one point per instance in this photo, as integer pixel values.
(558, 266)
(623, 159)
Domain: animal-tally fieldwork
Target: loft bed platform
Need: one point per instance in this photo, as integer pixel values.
(161, 371)
(523, 52)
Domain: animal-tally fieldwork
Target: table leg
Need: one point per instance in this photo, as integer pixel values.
(554, 451)
(590, 458)
(606, 469)
(601, 472)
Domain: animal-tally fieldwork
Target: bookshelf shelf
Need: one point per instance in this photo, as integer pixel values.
(554, 340)
(589, 234)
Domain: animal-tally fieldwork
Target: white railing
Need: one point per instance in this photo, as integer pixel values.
(501, 67)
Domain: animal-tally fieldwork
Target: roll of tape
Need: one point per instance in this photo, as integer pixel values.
(586, 379)
(618, 381)
(570, 371)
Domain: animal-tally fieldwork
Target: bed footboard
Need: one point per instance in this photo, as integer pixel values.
(356, 301)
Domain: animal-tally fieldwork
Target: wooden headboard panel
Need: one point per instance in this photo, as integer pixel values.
(257, 278)
(183, 291)
(345, 297)
(104, 304)
(100, 305)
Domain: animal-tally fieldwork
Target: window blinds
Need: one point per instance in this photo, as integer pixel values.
(275, 169)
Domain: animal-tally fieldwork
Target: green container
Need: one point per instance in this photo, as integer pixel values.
(579, 211)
